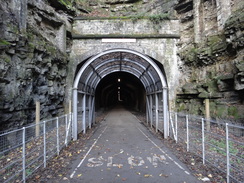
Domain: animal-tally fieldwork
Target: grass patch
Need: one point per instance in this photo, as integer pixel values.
(221, 147)
(4, 43)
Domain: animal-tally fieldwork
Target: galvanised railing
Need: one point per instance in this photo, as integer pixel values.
(217, 142)
(23, 151)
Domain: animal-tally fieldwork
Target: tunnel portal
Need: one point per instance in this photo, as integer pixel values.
(120, 76)
(120, 88)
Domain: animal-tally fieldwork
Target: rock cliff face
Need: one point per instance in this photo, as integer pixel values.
(212, 60)
(35, 37)
(116, 8)
(33, 62)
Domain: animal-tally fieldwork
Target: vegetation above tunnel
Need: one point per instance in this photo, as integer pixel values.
(155, 10)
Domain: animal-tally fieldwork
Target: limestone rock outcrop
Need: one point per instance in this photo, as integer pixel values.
(33, 62)
(211, 49)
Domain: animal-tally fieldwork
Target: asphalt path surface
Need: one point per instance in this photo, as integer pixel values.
(124, 150)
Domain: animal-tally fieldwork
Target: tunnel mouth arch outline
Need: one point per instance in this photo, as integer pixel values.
(125, 60)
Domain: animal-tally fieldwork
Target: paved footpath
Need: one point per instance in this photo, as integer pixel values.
(123, 150)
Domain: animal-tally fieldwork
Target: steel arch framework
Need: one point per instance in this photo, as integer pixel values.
(123, 60)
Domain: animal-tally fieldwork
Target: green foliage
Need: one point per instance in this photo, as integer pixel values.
(189, 55)
(159, 17)
(4, 43)
(233, 111)
(154, 18)
(221, 111)
(221, 147)
(5, 58)
(28, 171)
(66, 3)
(135, 18)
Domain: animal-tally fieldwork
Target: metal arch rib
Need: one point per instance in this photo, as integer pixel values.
(118, 65)
(162, 78)
(121, 65)
(114, 70)
(145, 86)
(144, 57)
(133, 73)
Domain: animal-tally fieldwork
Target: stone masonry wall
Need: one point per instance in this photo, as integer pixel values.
(162, 49)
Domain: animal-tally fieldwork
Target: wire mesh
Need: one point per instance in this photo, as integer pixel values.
(24, 150)
(236, 152)
(218, 143)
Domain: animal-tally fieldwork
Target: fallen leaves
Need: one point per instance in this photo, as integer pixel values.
(147, 175)
(38, 177)
(120, 166)
(205, 179)
(163, 175)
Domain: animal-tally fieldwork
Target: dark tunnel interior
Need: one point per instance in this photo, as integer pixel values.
(120, 88)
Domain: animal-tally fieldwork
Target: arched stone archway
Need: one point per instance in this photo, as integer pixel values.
(123, 60)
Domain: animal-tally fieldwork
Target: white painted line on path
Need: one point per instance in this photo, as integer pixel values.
(72, 175)
(177, 164)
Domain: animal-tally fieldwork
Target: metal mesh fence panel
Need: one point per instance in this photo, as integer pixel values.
(160, 119)
(182, 137)
(195, 135)
(217, 143)
(236, 152)
(24, 150)
(11, 164)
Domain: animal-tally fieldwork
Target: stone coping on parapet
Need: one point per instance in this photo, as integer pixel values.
(126, 36)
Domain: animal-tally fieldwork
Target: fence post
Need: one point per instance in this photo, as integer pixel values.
(203, 142)
(37, 118)
(44, 144)
(172, 125)
(176, 127)
(84, 113)
(187, 133)
(57, 126)
(70, 106)
(227, 154)
(207, 109)
(66, 129)
(23, 155)
(156, 111)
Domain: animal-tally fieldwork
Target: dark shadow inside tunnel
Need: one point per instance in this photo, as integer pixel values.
(119, 76)
(120, 88)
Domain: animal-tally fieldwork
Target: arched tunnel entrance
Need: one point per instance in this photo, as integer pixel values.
(120, 76)
(120, 88)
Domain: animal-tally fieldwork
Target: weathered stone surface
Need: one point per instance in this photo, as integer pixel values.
(190, 89)
(234, 27)
(124, 27)
(211, 48)
(28, 64)
(33, 64)
(64, 5)
(118, 8)
(120, 1)
(239, 76)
